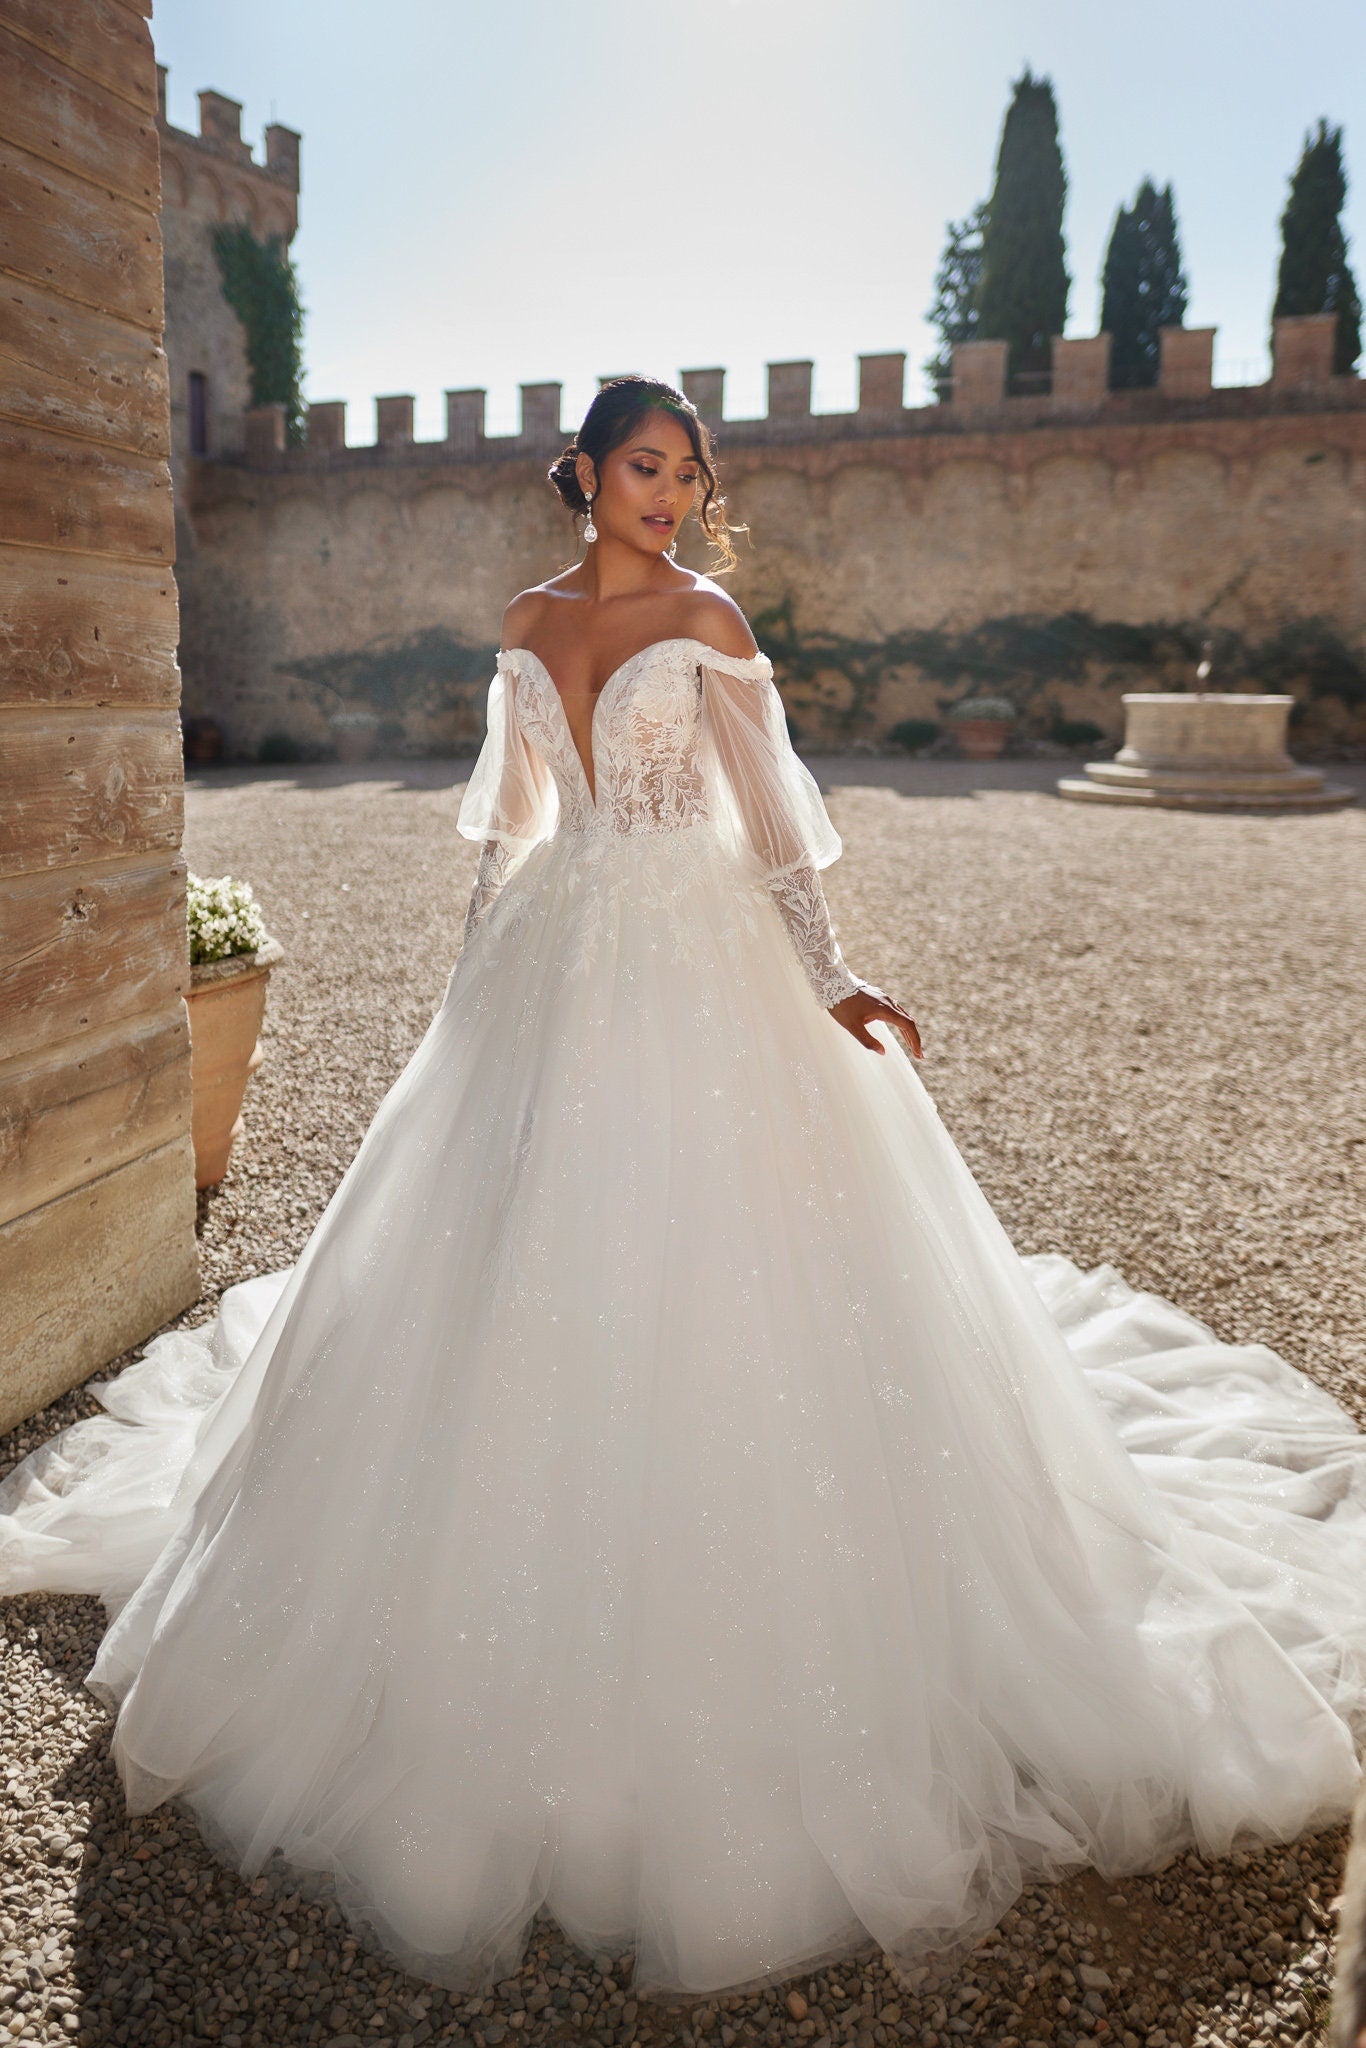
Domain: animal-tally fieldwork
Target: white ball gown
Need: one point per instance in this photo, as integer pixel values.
(659, 1492)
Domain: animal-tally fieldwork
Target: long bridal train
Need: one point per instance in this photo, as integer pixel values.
(659, 1491)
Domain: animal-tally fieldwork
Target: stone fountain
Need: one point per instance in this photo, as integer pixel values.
(1206, 750)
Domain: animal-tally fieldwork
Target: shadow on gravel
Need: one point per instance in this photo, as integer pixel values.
(908, 776)
(904, 774)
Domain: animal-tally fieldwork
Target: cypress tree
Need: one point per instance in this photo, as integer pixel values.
(1022, 296)
(261, 285)
(1144, 286)
(1315, 276)
(954, 311)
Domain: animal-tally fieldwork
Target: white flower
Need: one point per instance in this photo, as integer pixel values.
(224, 918)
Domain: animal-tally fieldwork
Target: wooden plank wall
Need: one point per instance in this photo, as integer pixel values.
(97, 1204)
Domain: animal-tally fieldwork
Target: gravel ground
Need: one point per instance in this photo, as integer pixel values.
(1144, 1031)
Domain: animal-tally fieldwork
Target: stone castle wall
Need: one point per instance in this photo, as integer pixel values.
(1057, 550)
(210, 179)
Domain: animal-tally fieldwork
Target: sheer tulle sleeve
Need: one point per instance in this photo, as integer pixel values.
(766, 805)
(510, 800)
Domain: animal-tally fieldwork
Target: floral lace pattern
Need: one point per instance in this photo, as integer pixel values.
(495, 863)
(801, 900)
(646, 736)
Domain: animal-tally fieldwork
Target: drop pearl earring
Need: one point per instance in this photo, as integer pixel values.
(590, 532)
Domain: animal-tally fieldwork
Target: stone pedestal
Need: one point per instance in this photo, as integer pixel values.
(1206, 751)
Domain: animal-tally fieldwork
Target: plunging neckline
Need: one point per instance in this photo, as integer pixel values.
(670, 640)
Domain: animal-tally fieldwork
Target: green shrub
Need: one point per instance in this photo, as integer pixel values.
(1076, 732)
(983, 707)
(914, 733)
(278, 747)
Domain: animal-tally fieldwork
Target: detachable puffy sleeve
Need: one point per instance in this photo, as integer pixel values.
(510, 800)
(766, 805)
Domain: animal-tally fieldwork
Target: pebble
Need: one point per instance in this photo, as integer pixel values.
(1211, 971)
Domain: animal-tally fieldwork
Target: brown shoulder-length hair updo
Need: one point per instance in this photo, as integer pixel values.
(617, 413)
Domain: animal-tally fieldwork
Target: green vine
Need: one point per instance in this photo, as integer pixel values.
(262, 287)
(1025, 656)
(430, 666)
(832, 683)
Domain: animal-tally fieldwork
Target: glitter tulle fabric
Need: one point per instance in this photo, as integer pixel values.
(660, 1493)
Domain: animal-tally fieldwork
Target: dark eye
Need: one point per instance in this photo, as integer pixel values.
(645, 469)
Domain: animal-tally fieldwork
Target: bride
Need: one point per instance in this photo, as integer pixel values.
(659, 1492)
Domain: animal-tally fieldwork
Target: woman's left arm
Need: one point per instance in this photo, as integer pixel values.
(779, 814)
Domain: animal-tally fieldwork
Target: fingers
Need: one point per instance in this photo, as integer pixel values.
(906, 1031)
(857, 1027)
(882, 1008)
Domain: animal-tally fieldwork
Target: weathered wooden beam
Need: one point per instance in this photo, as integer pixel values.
(64, 493)
(80, 372)
(97, 1201)
(77, 786)
(87, 1276)
(90, 245)
(60, 117)
(82, 947)
(78, 630)
(111, 45)
(81, 1109)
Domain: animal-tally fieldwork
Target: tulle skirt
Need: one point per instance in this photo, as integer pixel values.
(660, 1493)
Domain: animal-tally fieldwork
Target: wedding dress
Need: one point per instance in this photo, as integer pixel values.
(659, 1492)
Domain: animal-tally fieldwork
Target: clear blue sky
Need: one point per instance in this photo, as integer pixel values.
(521, 190)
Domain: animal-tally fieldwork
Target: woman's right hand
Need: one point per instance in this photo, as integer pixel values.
(857, 1011)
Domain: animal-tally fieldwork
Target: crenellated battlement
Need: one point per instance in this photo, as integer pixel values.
(215, 176)
(220, 132)
(975, 399)
(1047, 539)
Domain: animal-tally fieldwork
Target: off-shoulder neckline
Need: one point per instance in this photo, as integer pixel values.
(713, 657)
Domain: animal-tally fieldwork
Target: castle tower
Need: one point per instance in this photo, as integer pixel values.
(208, 179)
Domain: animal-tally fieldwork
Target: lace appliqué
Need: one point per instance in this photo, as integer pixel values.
(644, 731)
(495, 864)
(644, 831)
(650, 751)
(605, 875)
(802, 905)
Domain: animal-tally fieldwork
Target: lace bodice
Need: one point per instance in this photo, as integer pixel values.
(646, 758)
(681, 737)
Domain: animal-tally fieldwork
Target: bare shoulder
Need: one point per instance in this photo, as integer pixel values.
(715, 617)
(522, 616)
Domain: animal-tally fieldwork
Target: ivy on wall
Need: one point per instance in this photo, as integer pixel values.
(833, 682)
(261, 285)
(1027, 656)
(431, 667)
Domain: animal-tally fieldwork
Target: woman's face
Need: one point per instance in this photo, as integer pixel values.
(646, 487)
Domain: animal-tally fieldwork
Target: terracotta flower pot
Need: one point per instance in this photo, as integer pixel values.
(981, 739)
(227, 1001)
